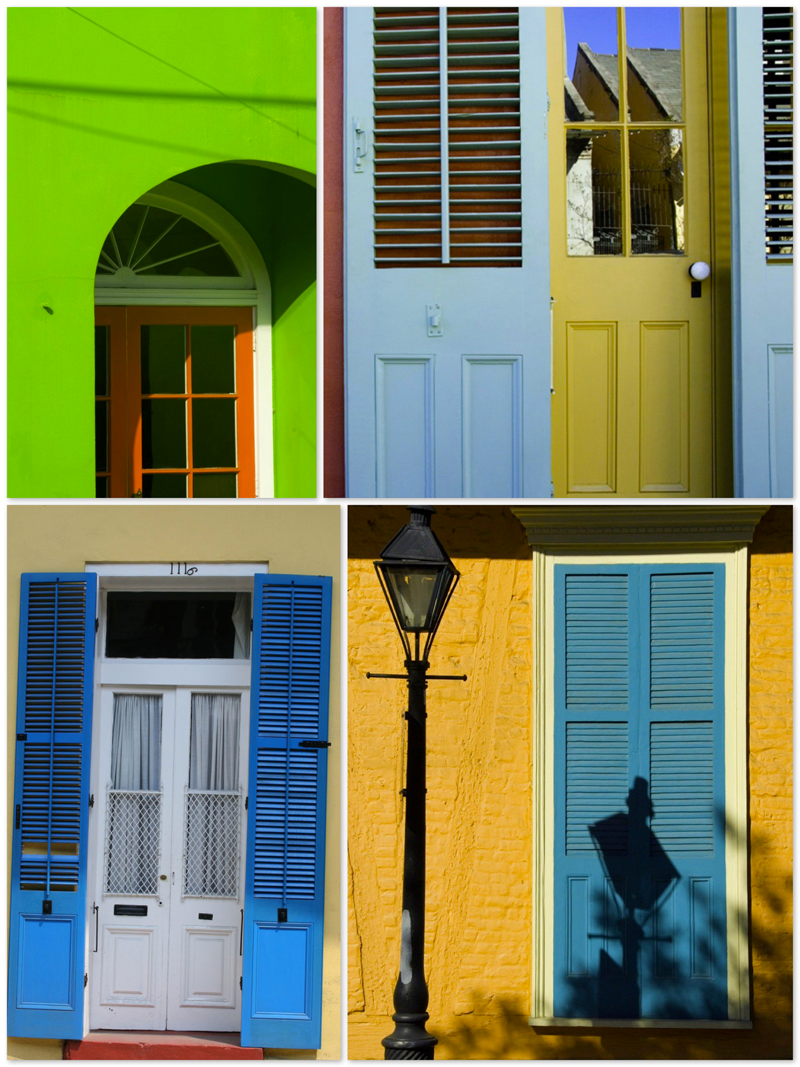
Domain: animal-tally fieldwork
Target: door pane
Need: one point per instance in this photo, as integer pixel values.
(213, 799)
(655, 77)
(163, 359)
(133, 814)
(166, 625)
(163, 433)
(214, 433)
(101, 435)
(164, 485)
(591, 87)
(656, 190)
(214, 485)
(594, 193)
(101, 360)
(213, 359)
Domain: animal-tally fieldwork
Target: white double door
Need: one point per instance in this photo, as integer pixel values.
(165, 926)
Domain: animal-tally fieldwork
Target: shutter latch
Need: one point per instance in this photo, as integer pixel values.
(315, 744)
(359, 145)
(91, 800)
(85, 979)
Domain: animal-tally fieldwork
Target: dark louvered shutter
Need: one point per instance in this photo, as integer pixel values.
(640, 921)
(778, 66)
(51, 793)
(447, 135)
(282, 979)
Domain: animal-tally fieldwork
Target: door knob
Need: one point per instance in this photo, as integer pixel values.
(163, 877)
(698, 272)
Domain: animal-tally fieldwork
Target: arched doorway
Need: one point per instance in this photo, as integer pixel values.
(183, 397)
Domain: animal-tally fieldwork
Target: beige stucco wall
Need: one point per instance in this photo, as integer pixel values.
(295, 539)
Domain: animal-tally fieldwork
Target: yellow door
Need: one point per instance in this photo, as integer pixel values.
(633, 352)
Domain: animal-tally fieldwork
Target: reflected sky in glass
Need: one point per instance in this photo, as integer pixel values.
(647, 27)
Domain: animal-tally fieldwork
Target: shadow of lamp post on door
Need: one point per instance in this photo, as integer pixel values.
(418, 579)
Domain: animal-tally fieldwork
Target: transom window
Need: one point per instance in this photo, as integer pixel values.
(625, 131)
(148, 241)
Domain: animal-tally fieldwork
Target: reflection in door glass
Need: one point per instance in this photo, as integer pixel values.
(654, 64)
(591, 83)
(594, 193)
(656, 191)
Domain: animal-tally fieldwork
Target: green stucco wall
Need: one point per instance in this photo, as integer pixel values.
(105, 104)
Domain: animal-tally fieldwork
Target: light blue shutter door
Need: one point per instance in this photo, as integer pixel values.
(50, 814)
(447, 296)
(640, 921)
(283, 919)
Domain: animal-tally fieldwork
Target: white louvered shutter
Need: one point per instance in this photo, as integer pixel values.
(778, 66)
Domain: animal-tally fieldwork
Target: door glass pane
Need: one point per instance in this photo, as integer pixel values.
(164, 485)
(133, 811)
(591, 88)
(101, 360)
(213, 801)
(101, 435)
(214, 485)
(594, 193)
(101, 487)
(655, 77)
(163, 359)
(656, 190)
(163, 433)
(213, 359)
(214, 433)
(156, 625)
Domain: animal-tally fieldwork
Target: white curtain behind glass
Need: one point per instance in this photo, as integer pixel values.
(133, 829)
(136, 742)
(240, 617)
(211, 863)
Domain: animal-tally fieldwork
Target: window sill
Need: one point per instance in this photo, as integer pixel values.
(645, 1024)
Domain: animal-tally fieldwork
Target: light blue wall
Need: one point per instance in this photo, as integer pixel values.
(762, 292)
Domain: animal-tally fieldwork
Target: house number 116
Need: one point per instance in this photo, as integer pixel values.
(182, 568)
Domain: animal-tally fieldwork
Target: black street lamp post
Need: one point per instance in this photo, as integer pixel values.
(418, 579)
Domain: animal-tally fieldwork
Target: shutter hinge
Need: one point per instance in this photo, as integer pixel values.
(240, 981)
(246, 803)
(315, 744)
(251, 626)
(91, 800)
(22, 737)
(17, 817)
(85, 979)
(96, 625)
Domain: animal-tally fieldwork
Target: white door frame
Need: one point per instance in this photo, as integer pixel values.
(252, 289)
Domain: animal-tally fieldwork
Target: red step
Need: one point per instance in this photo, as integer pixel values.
(158, 1045)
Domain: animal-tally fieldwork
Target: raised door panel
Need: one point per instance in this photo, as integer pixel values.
(664, 407)
(590, 384)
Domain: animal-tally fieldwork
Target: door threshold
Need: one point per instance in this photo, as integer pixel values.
(159, 1045)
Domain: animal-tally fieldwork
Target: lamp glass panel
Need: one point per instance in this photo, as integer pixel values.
(413, 591)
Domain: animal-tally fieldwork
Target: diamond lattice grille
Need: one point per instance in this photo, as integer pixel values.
(211, 844)
(133, 842)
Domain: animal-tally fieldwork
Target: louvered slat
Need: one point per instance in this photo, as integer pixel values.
(597, 786)
(290, 661)
(778, 84)
(464, 209)
(597, 619)
(286, 820)
(682, 786)
(408, 195)
(54, 674)
(682, 640)
(485, 137)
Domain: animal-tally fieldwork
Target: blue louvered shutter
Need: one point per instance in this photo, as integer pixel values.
(640, 921)
(283, 920)
(50, 815)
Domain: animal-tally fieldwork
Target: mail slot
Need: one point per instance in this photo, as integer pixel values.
(130, 909)
(205, 915)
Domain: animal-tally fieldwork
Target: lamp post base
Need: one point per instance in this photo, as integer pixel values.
(410, 1040)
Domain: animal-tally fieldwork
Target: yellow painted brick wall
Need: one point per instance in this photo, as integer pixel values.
(478, 946)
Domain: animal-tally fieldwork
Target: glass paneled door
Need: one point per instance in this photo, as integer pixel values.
(174, 402)
(632, 201)
(168, 884)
